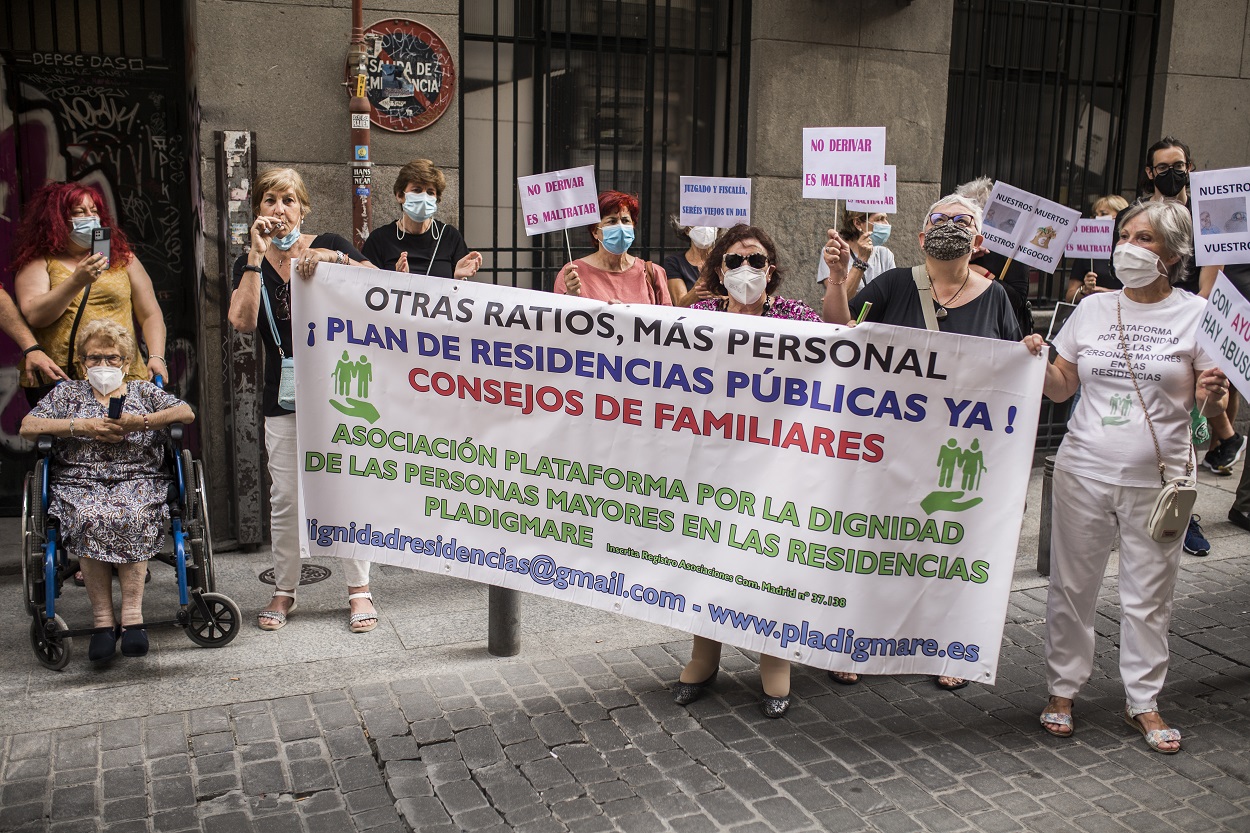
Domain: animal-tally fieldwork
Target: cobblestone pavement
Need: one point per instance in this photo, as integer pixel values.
(594, 743)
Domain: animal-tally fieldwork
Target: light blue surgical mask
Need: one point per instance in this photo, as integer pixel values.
(419, 207)
(82, 228)
(285, 242)
(618, 238)
(880, 233)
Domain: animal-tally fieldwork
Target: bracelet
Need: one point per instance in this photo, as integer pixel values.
(71, 426)
(250, 268)
(861, 265)
(32, 348)
(161, 359)
(146, 427)
(341, 258)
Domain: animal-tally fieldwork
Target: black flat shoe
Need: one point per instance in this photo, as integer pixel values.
(775, 707)
(851, 678)
(103, 646)
(686, 693)
(134, 642)
(1239, 519)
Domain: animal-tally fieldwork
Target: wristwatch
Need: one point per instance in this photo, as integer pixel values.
(861, 265)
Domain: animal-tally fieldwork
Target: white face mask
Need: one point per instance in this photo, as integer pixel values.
(81, 228)
(105, 379)
(1136, 267)
(703, 237)
(744, 284)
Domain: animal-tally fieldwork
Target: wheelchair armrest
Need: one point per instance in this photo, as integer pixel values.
(44, 443)
(175, 431)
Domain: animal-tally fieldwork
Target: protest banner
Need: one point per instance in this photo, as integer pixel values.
(844, 163)
(844, 498)
(1218, 202)
(1224, 333)
(717, 201)
(1092, 239)
(1027, 228)
(559, 200)
(887, 204)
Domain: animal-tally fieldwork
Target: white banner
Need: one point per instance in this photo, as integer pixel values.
(1218, 201)
(844, 498)
(1225, 332)
(1027, 228)
(887, 204)
(559, 199)
(1092, 239)
(718, 201)
(844, 163)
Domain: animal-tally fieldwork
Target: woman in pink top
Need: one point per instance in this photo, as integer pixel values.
(612, 274)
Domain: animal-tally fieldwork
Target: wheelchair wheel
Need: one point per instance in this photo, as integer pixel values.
(33, 525)
(221, 628)
(196, 522)
(52, 652)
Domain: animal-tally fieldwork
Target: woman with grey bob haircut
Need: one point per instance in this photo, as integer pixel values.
(1135, 355)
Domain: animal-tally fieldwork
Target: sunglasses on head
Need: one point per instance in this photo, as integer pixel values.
(757, 260)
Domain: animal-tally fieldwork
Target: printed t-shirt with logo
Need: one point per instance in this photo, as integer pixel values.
(1108, 439)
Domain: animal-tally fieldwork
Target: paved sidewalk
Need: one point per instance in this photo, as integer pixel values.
(415, 727)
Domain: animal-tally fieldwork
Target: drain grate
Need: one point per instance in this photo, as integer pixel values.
(308, 574)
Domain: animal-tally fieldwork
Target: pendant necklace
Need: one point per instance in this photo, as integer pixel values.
(940, 312)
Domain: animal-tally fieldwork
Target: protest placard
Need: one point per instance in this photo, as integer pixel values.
(1092, 239)
(844, 163)
(1218, 201)
(887, 204)
(559, 199)
(718, 201)
(1224, 333)
(1026, 227)
(844, 498)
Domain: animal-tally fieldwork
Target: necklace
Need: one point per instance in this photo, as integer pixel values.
(941, 307)
(290, 254)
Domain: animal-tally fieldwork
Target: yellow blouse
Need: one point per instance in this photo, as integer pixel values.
(110, 298)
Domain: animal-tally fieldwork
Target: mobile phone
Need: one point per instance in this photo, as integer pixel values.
(115, 407)
(101, 242)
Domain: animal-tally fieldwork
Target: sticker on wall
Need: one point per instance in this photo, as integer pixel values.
(411, 79)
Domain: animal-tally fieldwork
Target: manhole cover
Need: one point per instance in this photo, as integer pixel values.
(308, 574)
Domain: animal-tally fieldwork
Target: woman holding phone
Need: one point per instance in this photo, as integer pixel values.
(62, 285)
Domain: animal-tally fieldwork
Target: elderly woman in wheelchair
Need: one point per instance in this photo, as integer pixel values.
(107, 485)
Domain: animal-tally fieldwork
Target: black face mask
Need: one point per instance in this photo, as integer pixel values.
(1171, 182)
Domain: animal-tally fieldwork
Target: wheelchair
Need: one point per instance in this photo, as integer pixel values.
(209, 618)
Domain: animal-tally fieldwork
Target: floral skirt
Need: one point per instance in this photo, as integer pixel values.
(115, 523)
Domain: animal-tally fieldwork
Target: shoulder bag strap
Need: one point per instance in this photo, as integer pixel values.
(73, 330)
(924, 288)
(1128, 359)
(273, 325)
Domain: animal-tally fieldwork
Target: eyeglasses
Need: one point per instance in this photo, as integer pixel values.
(1179, 167)
(757, 260)
(95, 359)
(961, 220)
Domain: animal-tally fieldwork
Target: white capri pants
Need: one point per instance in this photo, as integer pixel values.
(1086, 515)
(284, 518)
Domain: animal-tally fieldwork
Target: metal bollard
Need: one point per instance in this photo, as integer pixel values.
(503, 622)
(1043, 532)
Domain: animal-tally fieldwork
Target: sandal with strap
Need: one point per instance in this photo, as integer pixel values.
(362, 622)
(1064, 719)
(272, 620)
(1154, 737)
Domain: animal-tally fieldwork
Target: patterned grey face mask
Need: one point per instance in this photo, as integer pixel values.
(948, 241)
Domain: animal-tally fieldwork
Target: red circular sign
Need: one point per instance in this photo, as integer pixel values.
(411, 78)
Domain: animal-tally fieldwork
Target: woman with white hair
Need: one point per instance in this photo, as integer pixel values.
(1135, 400)
(944, 294)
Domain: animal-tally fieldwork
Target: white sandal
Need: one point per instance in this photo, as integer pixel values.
(272, 620)
(354, 624)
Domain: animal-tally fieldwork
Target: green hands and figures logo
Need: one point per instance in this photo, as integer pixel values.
(1120, 407)
(360, 373)
(969, 463)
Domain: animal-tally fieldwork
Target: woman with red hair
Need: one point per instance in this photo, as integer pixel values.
(62, 286)
(611, 273)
